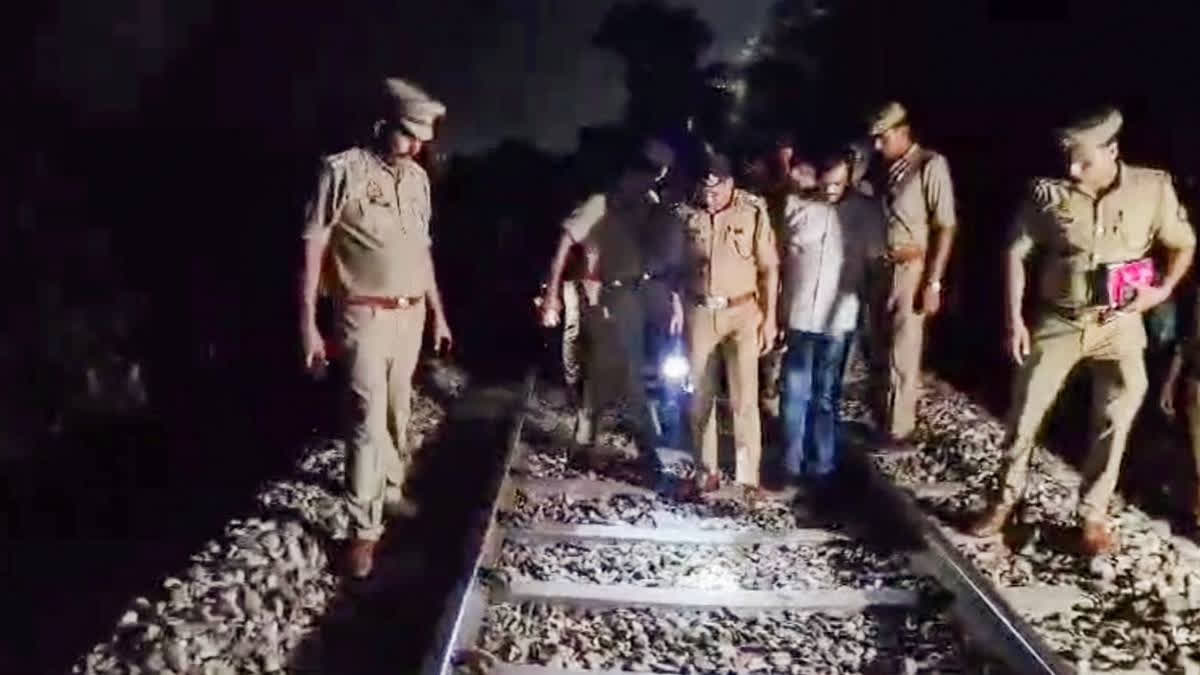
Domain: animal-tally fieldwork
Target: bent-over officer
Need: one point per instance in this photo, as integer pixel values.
(725, 303)
(1091, 225)
(615, 230)
(367, 245)
(918, 200)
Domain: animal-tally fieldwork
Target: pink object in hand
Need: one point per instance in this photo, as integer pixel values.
(1125, 278)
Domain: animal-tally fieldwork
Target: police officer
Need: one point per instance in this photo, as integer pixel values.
(367, 244)
(918, 200)
(725, 303)
(776, 185)
(1105, 213)
(616, 231)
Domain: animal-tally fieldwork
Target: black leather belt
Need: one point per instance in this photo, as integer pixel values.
(633, 282)
(1078, 313)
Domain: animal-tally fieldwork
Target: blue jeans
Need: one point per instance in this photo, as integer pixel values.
(812, 387)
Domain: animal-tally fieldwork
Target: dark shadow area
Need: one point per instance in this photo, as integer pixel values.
(386, 623)
(198, 191)
(162, 238)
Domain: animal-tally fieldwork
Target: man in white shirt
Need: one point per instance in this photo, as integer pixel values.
(827, 244)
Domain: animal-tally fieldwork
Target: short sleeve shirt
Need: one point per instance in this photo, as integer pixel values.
(723, 253)
(615, 227)
(377, 218)
(1079, 233)
(918, 196)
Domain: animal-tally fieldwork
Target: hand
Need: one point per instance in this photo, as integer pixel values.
(768, 334)
(675, 325)
(931, 299)
(1166, 398)
(443, 340)
(313, 346)
(1147, 298)
(1018, 341)
(549, 307)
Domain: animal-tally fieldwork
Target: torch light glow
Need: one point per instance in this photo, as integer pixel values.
(675, 367)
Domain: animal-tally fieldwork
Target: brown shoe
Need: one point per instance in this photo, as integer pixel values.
(753, 494)
(992, 521)
(360, 558)
(1097, 539)
(708, 481)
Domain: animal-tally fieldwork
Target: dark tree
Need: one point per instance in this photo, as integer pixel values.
(661, 46)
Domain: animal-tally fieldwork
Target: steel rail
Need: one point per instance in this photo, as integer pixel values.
(440, 654)
(984, 613)
(979, 605)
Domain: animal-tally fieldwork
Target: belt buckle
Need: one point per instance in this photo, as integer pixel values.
(716, 302)
(403, 302)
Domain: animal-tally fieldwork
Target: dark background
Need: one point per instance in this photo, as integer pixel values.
(157, 168)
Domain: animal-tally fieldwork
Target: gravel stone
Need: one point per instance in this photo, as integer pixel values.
(247, 600)
(721, 641)
(720, 514)
(760, 567)
(1140, 601)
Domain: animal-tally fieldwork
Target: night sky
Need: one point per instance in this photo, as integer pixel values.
(505, 68)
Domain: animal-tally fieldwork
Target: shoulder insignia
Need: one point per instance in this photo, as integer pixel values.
(343, 158)
(1145, 175)
(1047, 193)
(752, 199)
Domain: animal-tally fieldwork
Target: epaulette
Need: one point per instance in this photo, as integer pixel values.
(343, 159)
(1047, 192)
(1147, 174)
(752, 199)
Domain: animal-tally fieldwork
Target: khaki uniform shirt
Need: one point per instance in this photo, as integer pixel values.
(917, 196)
(617, 228)
(723, 253)
(379, 222)
(1078, 233)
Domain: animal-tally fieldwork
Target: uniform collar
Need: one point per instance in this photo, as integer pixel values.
(899, 170)
(1118, 182)
(907, 156)
(395, 171)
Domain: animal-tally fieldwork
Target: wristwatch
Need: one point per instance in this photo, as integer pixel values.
(936, 285)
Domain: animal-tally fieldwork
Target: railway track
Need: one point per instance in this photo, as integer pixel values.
(578, 571)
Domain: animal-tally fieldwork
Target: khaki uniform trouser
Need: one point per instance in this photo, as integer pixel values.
(381, 347)
(1114, 352)
(729, 334)
(897, 332)
(572, 355)
(614, 337)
